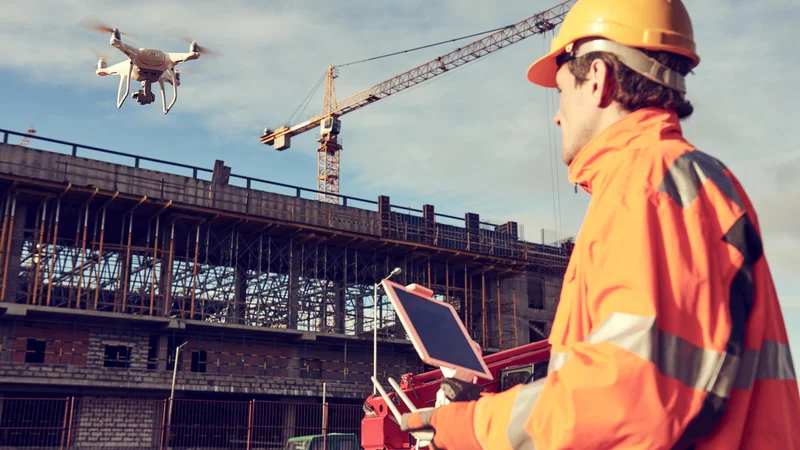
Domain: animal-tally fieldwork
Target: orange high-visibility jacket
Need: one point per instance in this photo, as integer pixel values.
(668, 331)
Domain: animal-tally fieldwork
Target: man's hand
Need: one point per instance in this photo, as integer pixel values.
(449, 427)
(419, 425)
(460, 391)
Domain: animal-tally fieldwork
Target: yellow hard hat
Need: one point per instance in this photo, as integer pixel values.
(637, 24)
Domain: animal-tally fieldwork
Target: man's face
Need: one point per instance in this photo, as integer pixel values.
(577, 113)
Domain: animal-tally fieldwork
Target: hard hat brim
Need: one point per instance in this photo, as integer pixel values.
(543, 71)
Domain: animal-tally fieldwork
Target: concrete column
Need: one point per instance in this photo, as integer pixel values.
(6, 340)
(341, 307)
(536, 302)
(359, 314)
(514, 291)
(163, 352)
(237, 313)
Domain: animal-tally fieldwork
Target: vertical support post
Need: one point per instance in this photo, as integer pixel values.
(499, 316)
(484, 333)
(172, 391)
(447, 281)
(514, 302)
(324, 418)
(194, 269)
(168, 284)
(466, 302)
(153, 270)
(100, 258)
(162, 441)
(83, 255)
(429, 273)
(250, 420)
(6, 207)
(69, 426)
(64, 423)
(122, 264)
(38, 258)
(7, 251)
(53, 253)
(127, 274)
(74, 260)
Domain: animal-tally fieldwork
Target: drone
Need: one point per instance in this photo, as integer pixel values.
(145, 65)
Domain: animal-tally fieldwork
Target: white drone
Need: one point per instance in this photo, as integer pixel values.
(145, 65)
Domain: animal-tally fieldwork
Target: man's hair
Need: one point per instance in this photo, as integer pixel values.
(633, 91)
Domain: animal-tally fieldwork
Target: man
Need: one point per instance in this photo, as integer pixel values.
(668, 333)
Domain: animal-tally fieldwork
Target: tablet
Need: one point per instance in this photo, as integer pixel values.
(435, 329)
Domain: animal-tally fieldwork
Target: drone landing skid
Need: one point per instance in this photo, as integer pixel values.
(123, 80)
(164, 95)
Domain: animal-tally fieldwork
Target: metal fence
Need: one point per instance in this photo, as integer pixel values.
(105, 423)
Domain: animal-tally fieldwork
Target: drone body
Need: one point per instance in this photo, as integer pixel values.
(147, 66)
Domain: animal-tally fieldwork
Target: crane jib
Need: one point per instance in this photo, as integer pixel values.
(537, 24)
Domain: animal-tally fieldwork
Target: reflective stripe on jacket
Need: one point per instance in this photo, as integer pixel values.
(668, 333)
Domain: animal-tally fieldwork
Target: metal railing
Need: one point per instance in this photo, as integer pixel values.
(100, 423)
(196, 170)
(400, 225)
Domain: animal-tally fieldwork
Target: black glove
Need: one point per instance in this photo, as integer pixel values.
(419, 425)
(460, 391)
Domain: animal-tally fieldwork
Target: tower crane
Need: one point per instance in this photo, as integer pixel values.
(332, 110)
(27, 139)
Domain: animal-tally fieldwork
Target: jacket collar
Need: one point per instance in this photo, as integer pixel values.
(637, 129)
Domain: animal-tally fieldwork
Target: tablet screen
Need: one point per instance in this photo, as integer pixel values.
(439, 331)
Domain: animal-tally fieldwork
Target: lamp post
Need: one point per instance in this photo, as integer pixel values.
(172, 392)
(375, 326)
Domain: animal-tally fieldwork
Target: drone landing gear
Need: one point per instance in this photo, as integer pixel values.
(145, 95)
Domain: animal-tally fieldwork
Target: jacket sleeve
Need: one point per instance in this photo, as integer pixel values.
(664, 314)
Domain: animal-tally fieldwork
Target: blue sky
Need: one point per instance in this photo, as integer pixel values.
(481, 137)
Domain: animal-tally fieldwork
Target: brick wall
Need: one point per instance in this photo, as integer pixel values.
(120, 357)
(114, 423)
(63, 345)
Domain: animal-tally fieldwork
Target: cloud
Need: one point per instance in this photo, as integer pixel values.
(478, 139)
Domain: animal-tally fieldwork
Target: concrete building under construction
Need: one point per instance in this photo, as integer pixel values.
(108, 268)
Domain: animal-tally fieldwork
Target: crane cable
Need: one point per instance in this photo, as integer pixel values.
(306, 100)
(313, 91)
(550, 110)
(423, 47)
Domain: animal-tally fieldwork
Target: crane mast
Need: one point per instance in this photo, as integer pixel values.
(330, 124)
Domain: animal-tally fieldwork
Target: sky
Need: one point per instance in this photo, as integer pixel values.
(478, 139)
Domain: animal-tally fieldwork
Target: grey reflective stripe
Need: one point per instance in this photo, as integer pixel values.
(673, 356)
(772, 362)
(688, 173)
(694, 366)
(520, 413)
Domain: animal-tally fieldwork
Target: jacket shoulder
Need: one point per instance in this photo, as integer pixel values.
(677, 172)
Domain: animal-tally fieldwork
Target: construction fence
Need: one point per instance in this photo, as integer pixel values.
(111, 423)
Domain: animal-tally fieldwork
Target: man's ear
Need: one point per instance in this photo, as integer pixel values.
(600, 83)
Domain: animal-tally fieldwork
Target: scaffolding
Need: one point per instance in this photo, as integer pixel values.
(133, 243)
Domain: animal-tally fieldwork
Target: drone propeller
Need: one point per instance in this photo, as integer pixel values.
(182, 35)
(96, 25)
(102, 58)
